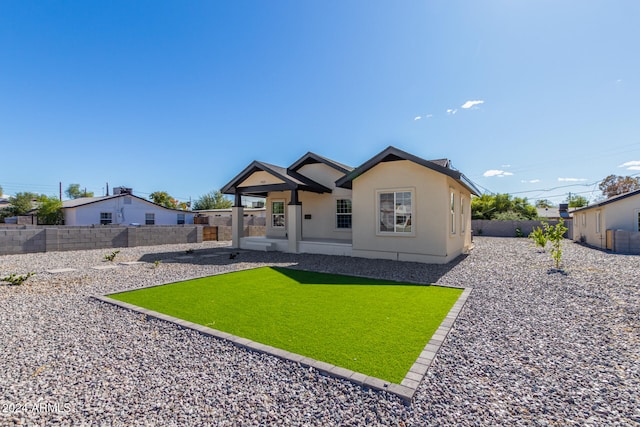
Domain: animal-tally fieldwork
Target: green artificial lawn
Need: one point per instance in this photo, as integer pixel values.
(375, 327)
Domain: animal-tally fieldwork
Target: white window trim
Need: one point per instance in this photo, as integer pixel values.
(284, 214)
(598, 221)
(452, 211)
(110, 217)
(463, 222)
(411, 190)
(584, 219)
(335, 205)
(153, 216)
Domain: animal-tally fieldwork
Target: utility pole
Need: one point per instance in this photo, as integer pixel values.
(60, 190)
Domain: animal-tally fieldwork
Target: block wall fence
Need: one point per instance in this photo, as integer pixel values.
(30, 239)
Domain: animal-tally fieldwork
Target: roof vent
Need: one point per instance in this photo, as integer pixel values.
(122, 190)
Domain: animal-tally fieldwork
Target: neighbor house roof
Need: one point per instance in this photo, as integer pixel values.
(610, 200)
(83, 201)
(391, 154)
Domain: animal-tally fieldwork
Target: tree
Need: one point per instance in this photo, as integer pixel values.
(22, 203)
(164, 199)
(0, 190)
(501, 207)
(615, 184)
(577, 201)
(212, 200)
(73, 192)
(50, 210)
(544, 203)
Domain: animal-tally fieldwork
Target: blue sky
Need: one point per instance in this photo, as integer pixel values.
(522, 96)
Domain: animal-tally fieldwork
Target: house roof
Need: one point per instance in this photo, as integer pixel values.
(83, 201)
(391, 154)
(312, 158)
(610, 200)
(292, 180)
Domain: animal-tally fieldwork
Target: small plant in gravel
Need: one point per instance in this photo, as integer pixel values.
(110, 257)
(555, 235)
(539, 236)
(16, 280)
(156, 263)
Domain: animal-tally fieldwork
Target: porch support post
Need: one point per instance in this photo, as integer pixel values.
(294, 222)
(237, 222)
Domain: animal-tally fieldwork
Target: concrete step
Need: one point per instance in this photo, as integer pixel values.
(259, 246)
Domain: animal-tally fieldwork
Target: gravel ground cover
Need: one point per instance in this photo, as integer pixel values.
(532, 346)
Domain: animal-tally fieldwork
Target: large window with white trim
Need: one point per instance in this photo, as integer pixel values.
(343, 214)
(395, 212)
(277, 214)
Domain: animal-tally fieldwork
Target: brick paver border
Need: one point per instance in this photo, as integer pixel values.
(405, 390)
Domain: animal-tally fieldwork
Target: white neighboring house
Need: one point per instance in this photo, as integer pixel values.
(124, 209)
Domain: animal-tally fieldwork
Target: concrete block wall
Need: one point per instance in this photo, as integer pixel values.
(626, 242)
(22, 240)
(29, 239)
(483, 227)
(224, 231)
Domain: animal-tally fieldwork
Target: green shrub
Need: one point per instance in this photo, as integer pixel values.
(539, 236)
(15, 280)
(111, 256)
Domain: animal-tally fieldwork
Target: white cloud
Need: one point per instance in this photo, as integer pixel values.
(496, 172)
(505, 166)
(451, 110)
(571, 179)
(530, 181)
(470, 104)
(633, 165)
(429, 116)
(417, 117)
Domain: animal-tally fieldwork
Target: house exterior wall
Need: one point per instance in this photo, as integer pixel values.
(619, 215)
(431, 240)
(260, 178)
(322, 207)
(123, 213)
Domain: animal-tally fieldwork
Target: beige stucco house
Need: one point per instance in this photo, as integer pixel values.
(394, 206)
(590, 224)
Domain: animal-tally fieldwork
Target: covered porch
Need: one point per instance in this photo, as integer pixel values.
(260, 179)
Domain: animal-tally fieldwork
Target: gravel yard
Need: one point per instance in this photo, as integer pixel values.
(531, 347)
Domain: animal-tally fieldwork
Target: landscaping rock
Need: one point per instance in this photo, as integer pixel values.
(532, 346)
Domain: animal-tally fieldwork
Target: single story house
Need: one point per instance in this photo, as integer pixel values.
(123, 208)
(590, 224)
(394, 206)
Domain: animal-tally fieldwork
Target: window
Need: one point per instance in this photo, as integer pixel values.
(597, 221)
(463, 225)
(395, 212)
(105, 218)
(343, 213)
(149, 219)
(452, 208)
(584, 220)
(277, 214)
(180, 218)
(638, 221)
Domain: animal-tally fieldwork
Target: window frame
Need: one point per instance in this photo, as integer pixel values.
(104, 216)
(279, 214)
(598, 221)
(463, 222)
(148, 221)
(344, 215)
(184, 219)
(452, 211)
(411, 213)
